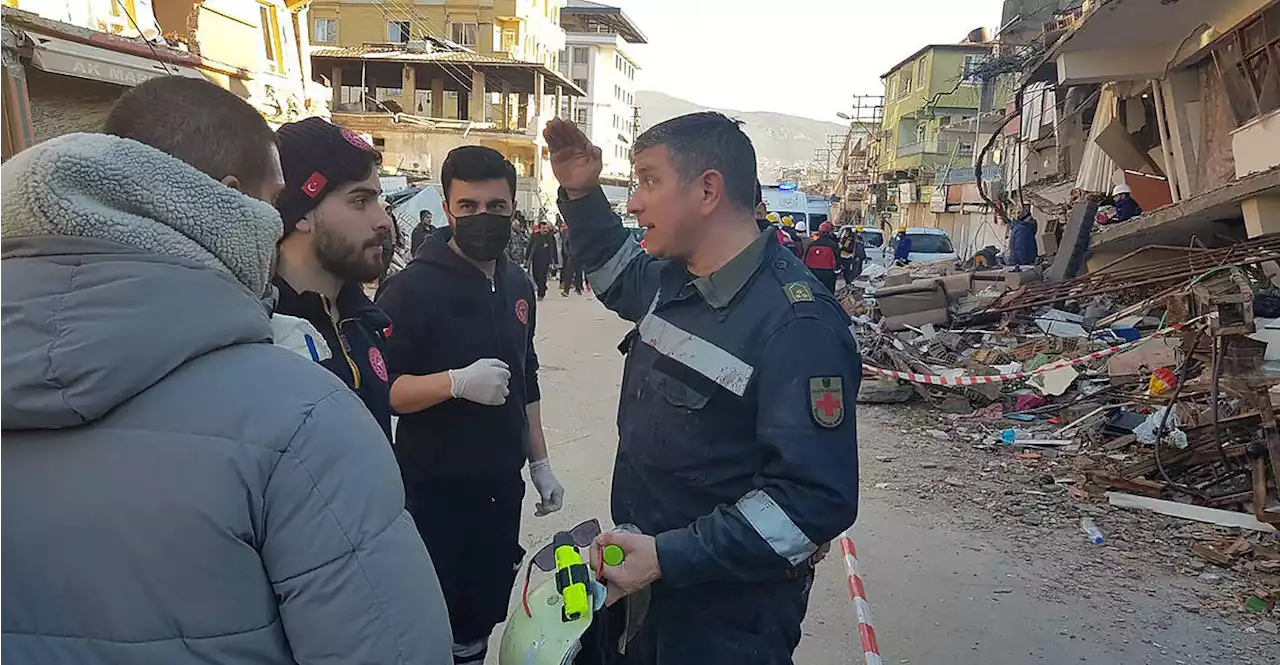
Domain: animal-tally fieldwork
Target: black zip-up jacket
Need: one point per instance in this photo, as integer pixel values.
(446, 314)
(356, 341)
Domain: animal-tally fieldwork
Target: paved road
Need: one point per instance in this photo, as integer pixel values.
(940, 593)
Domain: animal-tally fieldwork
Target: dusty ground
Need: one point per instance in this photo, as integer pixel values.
(961, 566)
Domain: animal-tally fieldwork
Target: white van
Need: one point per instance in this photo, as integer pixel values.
(785, 200)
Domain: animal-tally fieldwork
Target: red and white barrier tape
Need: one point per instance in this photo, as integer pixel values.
(866, 631)
(934, 379)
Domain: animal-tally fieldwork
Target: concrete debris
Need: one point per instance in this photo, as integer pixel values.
(1140, 375)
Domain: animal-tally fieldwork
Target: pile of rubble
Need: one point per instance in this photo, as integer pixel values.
(1148, 383)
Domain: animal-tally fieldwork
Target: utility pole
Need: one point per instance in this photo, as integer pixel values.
(853, 163)
(635, 134)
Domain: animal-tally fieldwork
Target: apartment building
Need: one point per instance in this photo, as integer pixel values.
(597, 61)
(925, 94)
(526, 30)
(1185, 110)
(67, 61)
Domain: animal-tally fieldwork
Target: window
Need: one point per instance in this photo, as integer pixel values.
(398, 31)
(581, 83)
(581, 118)
(580, 54)
(920, 72)
(508, 40)
(1248, 61)
(971, 62)
(326, 31)
(271, 37)
(464, 33)
(904, 83)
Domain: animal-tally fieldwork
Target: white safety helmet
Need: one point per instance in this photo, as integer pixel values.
(802, 227)
(1122, 188)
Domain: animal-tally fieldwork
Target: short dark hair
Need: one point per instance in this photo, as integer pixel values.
(704, 141)
(475, 163)
(197, 122)
(759, 194)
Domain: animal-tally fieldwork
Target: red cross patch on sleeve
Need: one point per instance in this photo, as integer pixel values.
(826, 400)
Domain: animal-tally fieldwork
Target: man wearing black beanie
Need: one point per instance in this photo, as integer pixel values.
(335, 233)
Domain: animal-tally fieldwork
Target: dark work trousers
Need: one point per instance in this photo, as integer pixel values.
(571, 276)
(827, 277)
(707, 624)
(472, 530)
(540, 273)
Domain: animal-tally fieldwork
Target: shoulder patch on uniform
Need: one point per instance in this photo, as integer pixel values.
(799, 292)
(826, 400)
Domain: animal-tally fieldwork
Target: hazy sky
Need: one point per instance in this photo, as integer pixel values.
(803, 57)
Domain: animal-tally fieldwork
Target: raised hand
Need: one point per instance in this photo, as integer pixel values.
(574, 161)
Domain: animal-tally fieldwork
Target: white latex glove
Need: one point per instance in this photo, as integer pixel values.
(550, 489)
(483, 382)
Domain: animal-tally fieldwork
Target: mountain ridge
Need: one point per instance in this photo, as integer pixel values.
(780, 140)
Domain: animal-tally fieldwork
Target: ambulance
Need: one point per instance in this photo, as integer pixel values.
(786, 200)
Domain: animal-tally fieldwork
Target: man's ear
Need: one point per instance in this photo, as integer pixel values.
(306, 224)
(711, 182)
(232, 182)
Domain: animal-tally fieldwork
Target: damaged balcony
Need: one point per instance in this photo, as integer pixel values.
(419, 100)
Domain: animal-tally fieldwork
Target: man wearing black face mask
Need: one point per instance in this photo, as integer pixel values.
(465, 384)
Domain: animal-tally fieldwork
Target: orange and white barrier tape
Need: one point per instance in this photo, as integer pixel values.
(866, 631)
(934, 379)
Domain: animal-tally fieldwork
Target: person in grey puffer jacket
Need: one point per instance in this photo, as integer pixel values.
(177, 489)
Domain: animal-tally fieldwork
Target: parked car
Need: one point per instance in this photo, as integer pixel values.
(928, 244)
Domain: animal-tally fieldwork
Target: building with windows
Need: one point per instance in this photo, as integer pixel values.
(932, 89)
(418, 101)
(596, 59)
(527, 30)
(66, 62)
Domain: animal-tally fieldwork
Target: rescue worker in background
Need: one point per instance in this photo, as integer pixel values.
(465, 385)
(1126, 207)
(571, 274)
(853, 254)
(420, 232)
(902, 247)
(789, 228)
(1022, 239)
(738, 451)
(784, 236)
(541, 256)
(821, 257)
(334, 234)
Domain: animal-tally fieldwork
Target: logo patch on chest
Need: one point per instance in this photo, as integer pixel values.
(377, 363)
(522, 311)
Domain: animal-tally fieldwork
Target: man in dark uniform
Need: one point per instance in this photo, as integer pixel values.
(335, 232)
(465, 384)
(541, 255)
(738, 452)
